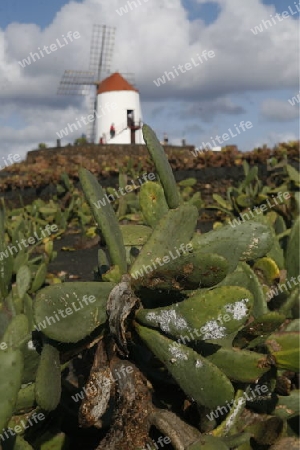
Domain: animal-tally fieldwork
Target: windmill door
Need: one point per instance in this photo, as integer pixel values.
(130, 124)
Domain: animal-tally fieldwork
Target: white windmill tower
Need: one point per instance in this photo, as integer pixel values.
(126, 116)
(116, 101)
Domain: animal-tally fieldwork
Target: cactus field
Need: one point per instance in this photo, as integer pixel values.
(168, 335)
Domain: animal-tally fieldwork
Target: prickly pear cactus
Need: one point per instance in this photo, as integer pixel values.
(177, 334)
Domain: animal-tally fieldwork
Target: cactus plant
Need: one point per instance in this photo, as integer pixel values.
(199, 323)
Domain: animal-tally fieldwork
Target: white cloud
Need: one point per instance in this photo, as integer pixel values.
(274, 138)
(149, 40)
(279, 110)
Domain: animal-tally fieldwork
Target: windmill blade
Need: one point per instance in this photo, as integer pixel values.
(76, 82)
(102, 46)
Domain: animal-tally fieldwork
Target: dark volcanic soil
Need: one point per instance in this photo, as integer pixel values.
(82, 260)
(79, 263)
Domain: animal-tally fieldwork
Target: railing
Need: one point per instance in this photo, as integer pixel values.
(120, 128)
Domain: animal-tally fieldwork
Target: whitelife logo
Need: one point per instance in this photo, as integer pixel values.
(131, 4)
(260, 390)
(128, 188)
(294, 100)
(183, 249)
(93, 390)
(108, 107)
(225, 137)
(274, 291)
(30, 241)
(260, 209)
(33, 57)
(22, 426)
(187, 66)
(68, 312)
(11, 160)
(265, 24)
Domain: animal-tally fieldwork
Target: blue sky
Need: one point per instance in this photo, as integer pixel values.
(42, 12)
(250, 79)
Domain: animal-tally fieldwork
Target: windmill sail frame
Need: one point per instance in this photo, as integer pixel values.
(79, 82)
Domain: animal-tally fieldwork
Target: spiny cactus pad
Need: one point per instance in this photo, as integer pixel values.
(16, 331)
(172, 231)
(248, 241)
(244, 276)
(23, 280)
(83, 305)
(292, 252)
(251, 365)
(199, 379)
(209, 316)
(48, 393)
(153, 203)
(163, 167)
(284, 347)
(105, 218)
(11, 369)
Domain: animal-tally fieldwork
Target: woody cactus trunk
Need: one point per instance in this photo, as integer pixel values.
(179, 328)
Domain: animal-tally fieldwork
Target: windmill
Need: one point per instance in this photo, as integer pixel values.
(78, 82)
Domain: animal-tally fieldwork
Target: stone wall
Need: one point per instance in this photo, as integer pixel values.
(93, 150)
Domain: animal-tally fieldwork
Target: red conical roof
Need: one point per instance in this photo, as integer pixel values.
(115, 82)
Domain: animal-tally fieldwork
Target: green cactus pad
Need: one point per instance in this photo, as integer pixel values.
(153, 203)
(113, 275)
(233, 415)
(193, 270)
(256, 331)
(16, 331)
(291, 307)
(23, 280)
(240, 365)
(210, 316)
(28, 310)
(292, 252)
(275, 252)
(105, 218)
(11, 368)
(284, 347)
(197, 377)
(80, 315)
(26, 398)
(245, 277)
(6, 269)
(39, 278)
(173, 230)
(48, 383)
(31, 362)
(20, 260)
(135, 235)
(185, 271)
(16, 299)
(163, 167)
(2, 223)
(288, 405)
(247, 241)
